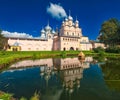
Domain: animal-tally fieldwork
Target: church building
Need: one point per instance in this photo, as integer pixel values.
(68, 37)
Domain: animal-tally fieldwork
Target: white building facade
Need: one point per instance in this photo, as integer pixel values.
(44, 43)
(68, 38)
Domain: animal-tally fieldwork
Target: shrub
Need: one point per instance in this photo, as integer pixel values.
(6, 96)
(36, 96)
(99, 50)
(114, 49)
(23, 98)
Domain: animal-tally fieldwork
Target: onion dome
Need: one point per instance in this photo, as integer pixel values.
(70, 17)
(66, 19)
(48, 27)
(63, 22)
(76, 21)
(53, 31)
(42, 31)
(43, 36)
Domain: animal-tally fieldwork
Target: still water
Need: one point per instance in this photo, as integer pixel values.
(60, 79)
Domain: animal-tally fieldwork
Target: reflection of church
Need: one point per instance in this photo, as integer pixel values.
(68, 38)
(70, 71)
(56, 76)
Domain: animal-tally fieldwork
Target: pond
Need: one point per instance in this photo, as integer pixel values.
(63, 79)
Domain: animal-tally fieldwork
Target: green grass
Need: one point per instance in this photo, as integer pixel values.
(5, 96)
(8, 57)
(8, 96)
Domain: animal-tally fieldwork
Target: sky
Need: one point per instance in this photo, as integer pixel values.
(26, 18)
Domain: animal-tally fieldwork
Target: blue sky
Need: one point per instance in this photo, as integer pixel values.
(29, 16)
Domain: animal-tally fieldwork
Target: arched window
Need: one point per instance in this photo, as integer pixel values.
(64, 49)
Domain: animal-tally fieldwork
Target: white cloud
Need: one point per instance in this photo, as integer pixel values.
(56, 11)
(16, 34)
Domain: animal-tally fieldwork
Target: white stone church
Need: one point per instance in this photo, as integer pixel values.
(69, 37)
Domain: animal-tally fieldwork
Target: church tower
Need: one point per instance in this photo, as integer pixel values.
(70, 34)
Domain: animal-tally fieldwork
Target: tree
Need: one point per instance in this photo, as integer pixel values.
(117, 36)
(3, 41)
(109, 31)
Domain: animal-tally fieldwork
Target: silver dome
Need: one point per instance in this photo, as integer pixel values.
(42, 31)
(48, 27)
(70, 17)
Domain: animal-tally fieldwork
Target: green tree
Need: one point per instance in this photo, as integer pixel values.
(109, 31)
(117, 36)
(3, 41)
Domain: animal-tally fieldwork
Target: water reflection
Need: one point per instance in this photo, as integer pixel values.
(50, 62)
(111, 71)
(56, 79)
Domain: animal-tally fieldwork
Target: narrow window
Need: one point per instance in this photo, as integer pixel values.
(73, 34)
(67, 33)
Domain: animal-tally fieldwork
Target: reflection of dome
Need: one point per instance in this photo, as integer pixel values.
(53, 72)
(41, 74)
(48, 27)
(66, 88)
(42, 69)
(78, 86)
(47, 77)
(70, 17)
(71, 91)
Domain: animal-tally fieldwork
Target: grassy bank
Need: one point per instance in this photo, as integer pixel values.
(8, 96)
(8, 57)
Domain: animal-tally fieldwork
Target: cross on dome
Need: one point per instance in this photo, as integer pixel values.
(48, 27)
(70, 17)
(76, 20)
